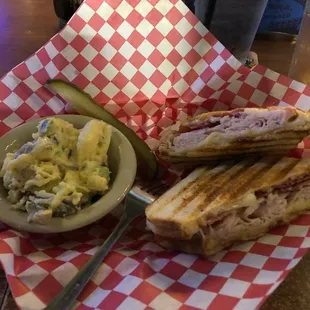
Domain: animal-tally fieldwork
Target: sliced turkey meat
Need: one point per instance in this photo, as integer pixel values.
(239, 124)
(269, 208)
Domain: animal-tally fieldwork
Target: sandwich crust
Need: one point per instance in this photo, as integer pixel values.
(191, 211)
(244, 130)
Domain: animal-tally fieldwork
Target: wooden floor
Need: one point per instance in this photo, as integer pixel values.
(25, 25)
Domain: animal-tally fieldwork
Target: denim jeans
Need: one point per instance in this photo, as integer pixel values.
(234, 22)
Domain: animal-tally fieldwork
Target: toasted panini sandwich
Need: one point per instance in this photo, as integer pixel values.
(215, 135)
(214, 207)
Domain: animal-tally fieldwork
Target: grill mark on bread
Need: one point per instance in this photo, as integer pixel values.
(274, 148)
(247, 178)
(243, 149)
(191, 193)
(210, 185)
(194, 161)
(207, 115)
(207, 196)
(173, 196)
(240, 145)
(216, 189)
(285, 136)
(276, 172)
(254, 146)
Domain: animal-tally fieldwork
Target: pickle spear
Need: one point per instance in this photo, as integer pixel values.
(85, 105)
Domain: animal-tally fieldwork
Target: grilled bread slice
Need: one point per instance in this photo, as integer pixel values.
(215, 206)
(230, 133)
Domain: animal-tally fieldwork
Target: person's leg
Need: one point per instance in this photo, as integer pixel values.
(190, 4)
(64, 10)
(234, 22)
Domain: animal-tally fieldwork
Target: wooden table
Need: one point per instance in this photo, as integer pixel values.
(25, 25)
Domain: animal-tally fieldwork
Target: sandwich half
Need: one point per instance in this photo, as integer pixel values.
(226, 134)
(216, 206)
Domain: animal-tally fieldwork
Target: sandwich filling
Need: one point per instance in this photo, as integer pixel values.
(270, 207)
(216, 205)
(237, 124)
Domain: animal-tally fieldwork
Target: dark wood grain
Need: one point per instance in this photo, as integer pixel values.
(275, 55)
(25, 25)
(293, 293)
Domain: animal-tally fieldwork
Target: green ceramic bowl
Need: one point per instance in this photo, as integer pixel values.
(122, 163)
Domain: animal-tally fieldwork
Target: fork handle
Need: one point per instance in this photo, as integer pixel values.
(71, 291)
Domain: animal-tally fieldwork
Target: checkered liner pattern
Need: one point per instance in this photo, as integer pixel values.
(148, 62)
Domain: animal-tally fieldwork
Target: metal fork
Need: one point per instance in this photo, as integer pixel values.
(136, 201)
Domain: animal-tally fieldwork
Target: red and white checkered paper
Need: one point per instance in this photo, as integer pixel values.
(148, 62)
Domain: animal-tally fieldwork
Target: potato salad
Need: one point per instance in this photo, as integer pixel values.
(60, 171)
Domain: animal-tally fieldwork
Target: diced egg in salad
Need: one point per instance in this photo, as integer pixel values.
(60, 171)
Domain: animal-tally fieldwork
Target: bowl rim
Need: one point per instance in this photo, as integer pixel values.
(122, 183)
